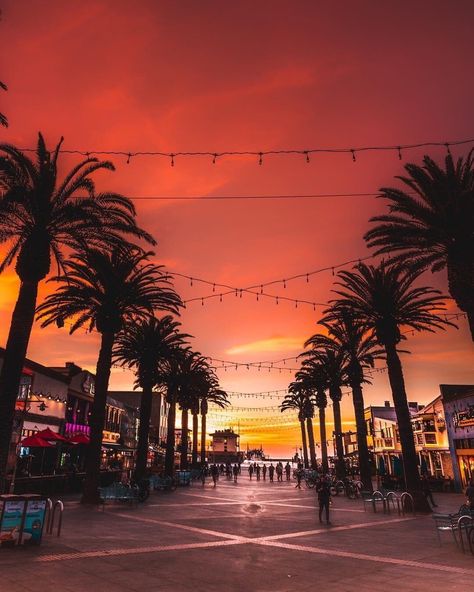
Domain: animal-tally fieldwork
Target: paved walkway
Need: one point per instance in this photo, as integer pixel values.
(253, 536)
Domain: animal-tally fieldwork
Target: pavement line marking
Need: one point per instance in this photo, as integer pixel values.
(131, 551)
(375, 558)
(213, 497)
(290, 535)
(215, 533)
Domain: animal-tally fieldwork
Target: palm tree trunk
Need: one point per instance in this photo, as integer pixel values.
(340, 464)
(15, 353)
(90, 493)
(143, 432)
(361, 427)
(312, 448)
(171, 437)
(183, 465)
(203, 438)
(324, 444)
(304, 444)
(195, 439)
(461, 286)
(405, 430)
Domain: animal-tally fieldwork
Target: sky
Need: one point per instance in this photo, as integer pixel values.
(245, 76)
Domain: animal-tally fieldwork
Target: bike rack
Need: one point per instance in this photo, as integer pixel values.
(392, 497)
(48, 513)
(57, 504)
(375, 499)
(407, 496)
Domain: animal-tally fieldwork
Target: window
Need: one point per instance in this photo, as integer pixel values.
(430, 438)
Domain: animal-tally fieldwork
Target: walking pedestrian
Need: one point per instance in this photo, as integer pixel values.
(324, 497)
(288, 471)
(264, 472)
(235, 471)
(250, 470)
(258, 472)
(214, 474)
(279, 472)
(299, 477)
(271, 471)
(470, 493)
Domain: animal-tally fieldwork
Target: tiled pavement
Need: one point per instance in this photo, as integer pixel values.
(246, 537)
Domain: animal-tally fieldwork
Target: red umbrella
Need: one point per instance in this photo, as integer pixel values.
(35, 442)
(80, 438)
(48, 434)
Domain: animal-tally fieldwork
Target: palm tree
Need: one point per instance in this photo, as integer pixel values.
(297, 401)
(106, 291)
(194, 381)
(300, 386)
(361, 349)
(141, 346)
(40, 218)
(216, 396)
(3, 119)
(384, 299)
(433, 225)
(314, 379)
(332, 361)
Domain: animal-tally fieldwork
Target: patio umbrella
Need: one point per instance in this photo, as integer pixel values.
(35, 442)
(48, 434)
(80, 438)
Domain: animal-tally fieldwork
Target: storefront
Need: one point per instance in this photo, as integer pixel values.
(458, 403)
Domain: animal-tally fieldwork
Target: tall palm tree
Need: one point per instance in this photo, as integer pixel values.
(218, 397)
(41, 216)
(194, 381)
(141, 346)
(384, 299)
(297, 401)
(361, 349)
(315, 381)
(332, 361)
(106, 291)
(3, 119)
(300, 386)
(432, 224)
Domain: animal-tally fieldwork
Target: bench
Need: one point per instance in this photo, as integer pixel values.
(118, 492)
(162, 483)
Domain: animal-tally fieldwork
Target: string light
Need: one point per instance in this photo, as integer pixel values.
(260, 154)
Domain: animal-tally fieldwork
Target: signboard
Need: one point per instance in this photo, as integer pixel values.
(34, 522)
(11, 520)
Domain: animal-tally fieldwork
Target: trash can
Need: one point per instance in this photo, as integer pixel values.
(22, 519)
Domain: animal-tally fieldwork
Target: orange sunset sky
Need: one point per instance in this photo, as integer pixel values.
(215, 76)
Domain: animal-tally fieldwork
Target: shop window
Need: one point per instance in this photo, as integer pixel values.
(430, 438)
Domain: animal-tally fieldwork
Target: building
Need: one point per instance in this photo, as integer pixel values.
(225, 447)
(158, 421)
(41, 404)
(431, 440)
(458, 404)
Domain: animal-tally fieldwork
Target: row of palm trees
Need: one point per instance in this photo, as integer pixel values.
(105, 283)
(429, 226)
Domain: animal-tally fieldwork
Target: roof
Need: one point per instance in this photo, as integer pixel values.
(450, 392)
(40, 369)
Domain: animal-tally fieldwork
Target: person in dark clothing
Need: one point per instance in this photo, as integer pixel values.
(250, 470)
(235, 471)
(470, 493)
(258, 472)
(299, 477)
(264, 471)
(324, 497)
(271, 471)
(427, 490)
(288, 471)
(215, 474)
